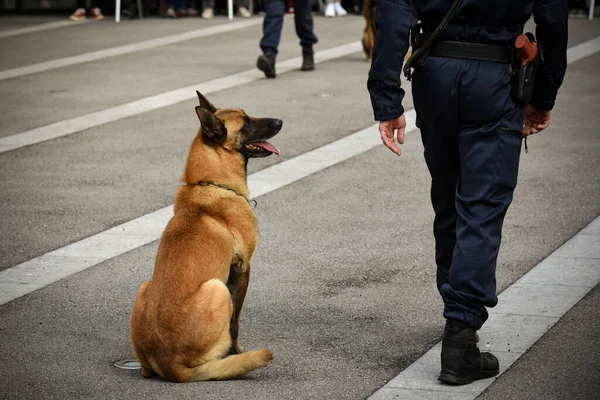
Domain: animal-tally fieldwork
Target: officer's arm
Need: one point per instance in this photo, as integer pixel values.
(393, 20)
(551, 19)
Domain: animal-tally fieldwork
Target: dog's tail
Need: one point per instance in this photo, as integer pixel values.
(368, 39)
(230, 366)
(368, 12)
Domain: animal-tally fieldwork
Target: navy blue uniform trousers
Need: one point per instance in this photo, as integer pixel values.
(273, 23)
(471, 131)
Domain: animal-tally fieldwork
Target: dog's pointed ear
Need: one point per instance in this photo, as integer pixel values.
(205, 103)
(212, 127)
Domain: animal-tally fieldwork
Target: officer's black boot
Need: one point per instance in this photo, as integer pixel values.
(266, 63)
(462, 362)
(308, 61)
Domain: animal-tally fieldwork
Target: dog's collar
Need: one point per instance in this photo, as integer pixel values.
(216, 185)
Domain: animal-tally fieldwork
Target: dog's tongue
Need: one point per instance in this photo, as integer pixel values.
(267, 146)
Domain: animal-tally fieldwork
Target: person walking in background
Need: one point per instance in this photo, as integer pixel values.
(472, 126)
(272, 25)
(209, 8)
(333, 8)
(84, 9)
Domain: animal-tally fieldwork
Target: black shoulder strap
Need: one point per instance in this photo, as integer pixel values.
(418, 52)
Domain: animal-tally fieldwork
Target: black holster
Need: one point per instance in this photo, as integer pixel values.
(418, 36)
(524, 82)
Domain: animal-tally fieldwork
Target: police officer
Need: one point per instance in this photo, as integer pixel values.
(472, 126)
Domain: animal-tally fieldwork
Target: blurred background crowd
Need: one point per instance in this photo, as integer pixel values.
(78, 10)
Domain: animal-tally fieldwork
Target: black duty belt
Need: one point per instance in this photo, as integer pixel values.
(472, 51)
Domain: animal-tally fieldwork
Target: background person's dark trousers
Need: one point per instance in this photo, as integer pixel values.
(470, 130)
(273, 23)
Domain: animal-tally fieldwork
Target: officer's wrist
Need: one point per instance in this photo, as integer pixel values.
(545, 105)
(388, 114)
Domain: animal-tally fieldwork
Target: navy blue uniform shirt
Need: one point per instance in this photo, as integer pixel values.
(481, 21)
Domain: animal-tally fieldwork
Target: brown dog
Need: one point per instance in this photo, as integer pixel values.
(368, 39)
(184, 324)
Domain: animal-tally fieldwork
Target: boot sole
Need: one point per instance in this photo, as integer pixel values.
(265, 67)
(453, 378)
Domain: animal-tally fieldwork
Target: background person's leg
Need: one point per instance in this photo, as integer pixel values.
(272, 25)
(304, 25)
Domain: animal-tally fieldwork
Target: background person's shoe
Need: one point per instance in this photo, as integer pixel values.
(96, 14)
(462, 362)
(330, 10)
(339, 10)
(266, 63)
(244, 12)
(78, 15)
(208, 13)
(308, 61)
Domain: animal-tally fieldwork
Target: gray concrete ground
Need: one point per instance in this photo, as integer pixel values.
(343, 286)
(564, 364)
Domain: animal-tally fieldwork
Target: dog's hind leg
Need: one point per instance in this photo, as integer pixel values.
(136, 325)
(214, 303)
(239, 276)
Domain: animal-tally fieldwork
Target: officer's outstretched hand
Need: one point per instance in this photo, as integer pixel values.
(536, 120)
(387, 129)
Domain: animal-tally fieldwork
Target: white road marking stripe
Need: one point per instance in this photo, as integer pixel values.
(39, 28)
(526, 311)
(77, 124)
(34, 274)
(126, 49)
(583, 50)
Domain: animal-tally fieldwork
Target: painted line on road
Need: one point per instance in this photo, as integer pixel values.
(526, 311)
(40, 28)
(77, 124)
(39, 272)
(583, 50)
(126, 49)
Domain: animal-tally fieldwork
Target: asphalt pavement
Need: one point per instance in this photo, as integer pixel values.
(343, 282)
